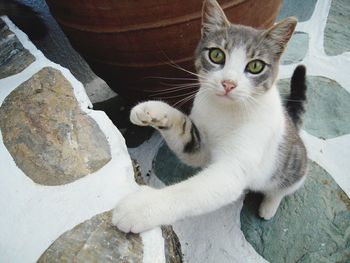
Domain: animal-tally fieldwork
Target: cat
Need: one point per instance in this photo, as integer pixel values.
(238, 130)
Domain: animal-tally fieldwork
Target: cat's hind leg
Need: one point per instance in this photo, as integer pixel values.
(179, 131)
(273, 198)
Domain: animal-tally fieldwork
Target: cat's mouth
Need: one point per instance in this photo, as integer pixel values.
(223, 94)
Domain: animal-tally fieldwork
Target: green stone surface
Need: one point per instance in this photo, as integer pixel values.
(292, 8)
(311, 225)
(169, 169)
(328, 108)
(14, 58)
(297, 48)
(337, 32)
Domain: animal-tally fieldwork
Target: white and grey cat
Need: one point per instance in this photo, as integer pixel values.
(238, 130)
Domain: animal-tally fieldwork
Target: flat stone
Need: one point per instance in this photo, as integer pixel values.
(297, 48)
(49, 137)
(95, 240)
(292, 8)
(172, 246)
(311, 225)
(327, 110)
(14, 58)
(337, 32)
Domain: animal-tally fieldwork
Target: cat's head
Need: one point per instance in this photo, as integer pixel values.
(237, 62)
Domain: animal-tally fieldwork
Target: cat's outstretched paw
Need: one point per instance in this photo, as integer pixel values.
(151, 113)
(139, 211)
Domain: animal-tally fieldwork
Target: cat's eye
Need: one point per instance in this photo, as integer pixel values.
(255, 66)
(217, 56)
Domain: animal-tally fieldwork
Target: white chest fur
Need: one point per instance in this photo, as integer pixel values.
(249, 136)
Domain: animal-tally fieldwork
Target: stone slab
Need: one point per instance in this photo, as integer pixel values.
(50, 138)
(95, 240)
(311, 225)
(292, 8)
(296, 50)
(14, 58)
(327, 110)
(337, 32)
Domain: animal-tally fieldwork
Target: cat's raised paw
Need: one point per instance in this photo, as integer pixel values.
(151, 113)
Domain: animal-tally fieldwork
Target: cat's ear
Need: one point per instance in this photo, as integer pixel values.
(213, 17)
(279, 34)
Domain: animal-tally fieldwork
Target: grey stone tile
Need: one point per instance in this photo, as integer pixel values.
(311, 225)
(14, 58)
(297, 48)
(95, 240)
(302, 9)
(327, 110)
(337, 32)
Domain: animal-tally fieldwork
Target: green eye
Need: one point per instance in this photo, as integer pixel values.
(217, 56)
(255, 66)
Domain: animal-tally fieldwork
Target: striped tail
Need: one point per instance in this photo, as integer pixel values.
(297, 98)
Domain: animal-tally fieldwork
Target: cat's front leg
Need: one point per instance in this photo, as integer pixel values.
(179, 131)
(214, 187)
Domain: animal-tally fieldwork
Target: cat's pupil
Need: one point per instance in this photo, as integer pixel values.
(217, 56)
(255, 67)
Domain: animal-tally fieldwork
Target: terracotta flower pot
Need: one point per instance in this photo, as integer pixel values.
(131, 43)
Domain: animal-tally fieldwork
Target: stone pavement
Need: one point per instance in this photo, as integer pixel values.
(311, 226)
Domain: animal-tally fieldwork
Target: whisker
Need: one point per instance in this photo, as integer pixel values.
(185, 100)
(169, 78)
(179, 85)
(173, 88)
(179, 95)
(173, 91)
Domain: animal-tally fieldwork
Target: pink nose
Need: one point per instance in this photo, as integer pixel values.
(228, 85)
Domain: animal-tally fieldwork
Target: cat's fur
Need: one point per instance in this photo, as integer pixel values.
(244, 139)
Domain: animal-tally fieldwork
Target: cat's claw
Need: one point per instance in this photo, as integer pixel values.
(151, 113)
(139, 211)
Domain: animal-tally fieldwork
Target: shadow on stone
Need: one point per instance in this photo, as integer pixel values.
(169, 169)
(118, 111)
